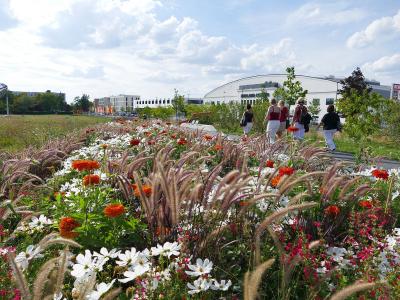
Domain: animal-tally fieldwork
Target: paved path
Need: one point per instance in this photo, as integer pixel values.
(342, 156)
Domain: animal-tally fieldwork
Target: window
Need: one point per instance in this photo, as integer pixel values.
(168, 101)
(163, 101)
(315, 101)
(330, 101)
(152, 102)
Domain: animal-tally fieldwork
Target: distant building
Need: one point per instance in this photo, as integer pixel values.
(395, 92)
(34, 94)
(322, 90)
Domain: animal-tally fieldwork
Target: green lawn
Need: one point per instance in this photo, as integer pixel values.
(18, 132)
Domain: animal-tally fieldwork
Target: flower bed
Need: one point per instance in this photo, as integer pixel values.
(149, 211)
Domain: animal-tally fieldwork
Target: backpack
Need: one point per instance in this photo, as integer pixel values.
(305, 117)
(243, 122)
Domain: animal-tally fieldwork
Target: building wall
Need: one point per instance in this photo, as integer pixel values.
(318, 88)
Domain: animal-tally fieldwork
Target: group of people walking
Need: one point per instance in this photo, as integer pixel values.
(278, 121)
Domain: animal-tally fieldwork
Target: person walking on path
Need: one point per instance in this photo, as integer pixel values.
(331, 124)
(284, 118)
(299, 112)
(272, 117)
(248, 117)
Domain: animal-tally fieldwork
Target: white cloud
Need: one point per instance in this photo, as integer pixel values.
(384, 64)
(380, 29)
(325, 13)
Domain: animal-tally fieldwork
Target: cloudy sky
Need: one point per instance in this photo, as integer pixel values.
(149, 47)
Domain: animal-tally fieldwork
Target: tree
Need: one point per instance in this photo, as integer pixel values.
(315, 108)
(178, 103)
(291, 89)
(82, 103)
(356, 81)
(22, 104)
(263, 96)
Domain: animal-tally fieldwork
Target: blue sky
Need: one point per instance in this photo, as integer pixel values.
(149, 47)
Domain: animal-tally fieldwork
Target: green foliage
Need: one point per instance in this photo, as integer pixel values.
(363, 113)
(391, 118)
(291, 90)
(315, 107)
(163, 113)
(260, 109)
(82, 104)
(178, 103)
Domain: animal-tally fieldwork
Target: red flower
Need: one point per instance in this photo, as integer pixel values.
(84, 164)
(114, 210)
(365, 204)
(292, 129)
(151, 142)
(147, 133)
(182, 141)
(207, 137)
(218, 147)
(173, 136)
(332, 210)
(244, 203)
(286, 171)
(135, 142)
(67, 224)
(269, 164)
(382, 174)
(91, 179)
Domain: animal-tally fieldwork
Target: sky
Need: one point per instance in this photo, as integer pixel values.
(151, 47)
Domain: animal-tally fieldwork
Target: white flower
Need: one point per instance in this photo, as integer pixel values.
(168, 249)
(222, 286)
(200, 268)
(58, 296)
(104, 253)
(138, 270)
(86, 263)
(101, 289)
(23, 258)
(38, 223)
(336, 253)
(127, 258)
(198, 286)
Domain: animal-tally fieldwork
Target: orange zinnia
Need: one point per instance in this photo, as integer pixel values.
(286, 171)
(146, 189)
(333, 210)
(84, 164)
(382, 174)
(218, 147)
(207, 137)
(365, 204)
(114, 210)
(275, 181)
(67, 224)
(135, 142)
(269, 164)
(91, 179)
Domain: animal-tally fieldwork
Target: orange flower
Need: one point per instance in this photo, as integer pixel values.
(382, 174)
(146, 189)
(269, 164)
(286, 171)
(91, 179)
(114, 210)
(84, 164)
(218, 147)
(332, 210)
(207, 137)
(56, 194)
(182, 141)
(135, 142)
(147, 133)
(292, 129)
(365, 204)
(244, 203)
(275, 181)
(67, 224)
(162, 230)
(104, 146)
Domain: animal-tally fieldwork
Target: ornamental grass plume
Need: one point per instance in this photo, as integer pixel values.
(252, 280)
(352, 289)
(91, 179)
(85, 165)
(114, 210)
(66, 227)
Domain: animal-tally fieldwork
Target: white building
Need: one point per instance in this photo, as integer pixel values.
(154, 103)
(124, 103)
(322, 90)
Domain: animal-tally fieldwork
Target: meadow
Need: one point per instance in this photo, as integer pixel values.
(18, 132)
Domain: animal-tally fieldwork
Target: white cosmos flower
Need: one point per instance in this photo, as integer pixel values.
(101, 289)
(221, 286)
(23, 258)
(113, 253)
(336, 253)
(86, 263)
(127, 258)
(168, 249)
(199, 285)
(37, 223)
(138, 270)
(200, 268)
